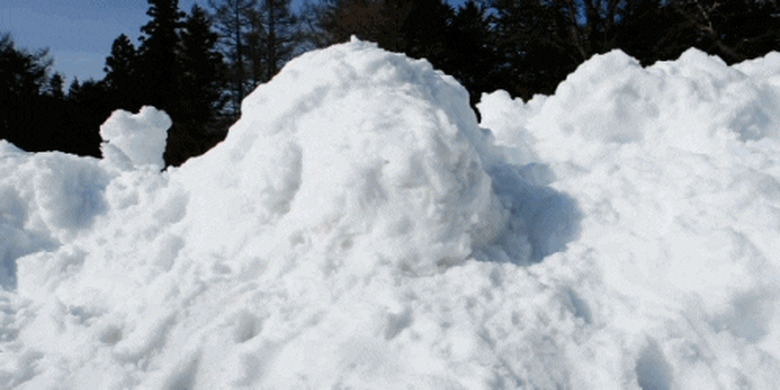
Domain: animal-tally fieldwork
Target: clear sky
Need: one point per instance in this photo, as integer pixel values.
(78, 33)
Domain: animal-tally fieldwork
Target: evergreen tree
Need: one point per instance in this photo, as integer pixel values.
(196, 127)
(55, 86)
(74, 88)
(538, 44)
(733, 30)
(650, 31)
(415, 27)
(122, 79)
(542, 41)
(23, 76)
(159, 68)
(337, 20)
(202, 69)
(23, 73)
(424, 30)
(33, 113)
(90, 107)
(470, 54)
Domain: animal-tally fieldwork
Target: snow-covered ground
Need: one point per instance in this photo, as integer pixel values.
(358, 229)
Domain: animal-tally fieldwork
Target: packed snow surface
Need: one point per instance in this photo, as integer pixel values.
(358, 229)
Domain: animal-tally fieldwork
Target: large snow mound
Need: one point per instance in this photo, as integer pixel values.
(359, 229)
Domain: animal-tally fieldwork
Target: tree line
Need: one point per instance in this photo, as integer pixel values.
(199, 65)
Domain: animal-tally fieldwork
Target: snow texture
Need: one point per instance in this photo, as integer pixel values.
(135, 140)
(358, 229)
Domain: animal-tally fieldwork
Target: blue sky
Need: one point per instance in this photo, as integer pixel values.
(78, 33)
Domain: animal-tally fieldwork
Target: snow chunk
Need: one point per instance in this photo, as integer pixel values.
(134, 140)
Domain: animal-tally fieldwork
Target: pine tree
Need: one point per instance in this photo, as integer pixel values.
(159, 68)
(198, 107)
(424, 28)
(74, 89)
(415, 27)
(23, 77)
(202, 69)
(470, 54)
(33, 112)
(649, 31)
(122, 79)
(733, 30)
(23, 73)
(55, 86)
(337, 20)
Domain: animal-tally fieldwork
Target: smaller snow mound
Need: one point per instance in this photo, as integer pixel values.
(676, 171)
(766, 68)
(69, 191)
(695, 104)
(135, 140)
(46, 199)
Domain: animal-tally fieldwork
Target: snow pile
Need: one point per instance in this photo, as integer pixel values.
(676, 171)
(359, 229)
(384, 167)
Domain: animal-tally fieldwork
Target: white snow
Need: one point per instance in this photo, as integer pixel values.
(135, 140)
(359, 229)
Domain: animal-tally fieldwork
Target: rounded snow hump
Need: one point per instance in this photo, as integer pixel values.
(357, 150)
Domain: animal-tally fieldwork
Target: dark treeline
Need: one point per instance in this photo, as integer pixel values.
(199, 65)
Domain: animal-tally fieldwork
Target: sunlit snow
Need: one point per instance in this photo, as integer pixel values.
(358, 229)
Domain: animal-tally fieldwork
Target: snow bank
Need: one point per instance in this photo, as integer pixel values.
(358, 229)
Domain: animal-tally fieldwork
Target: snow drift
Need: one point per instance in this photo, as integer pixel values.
(359, 229)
